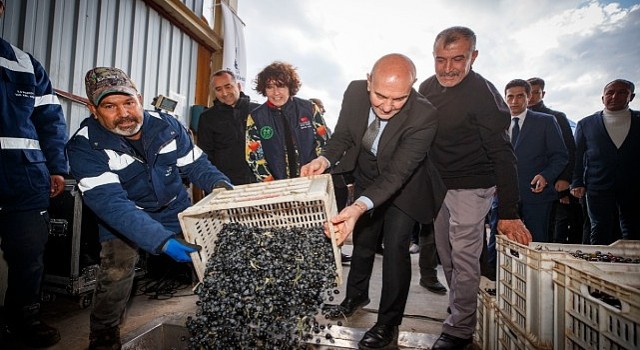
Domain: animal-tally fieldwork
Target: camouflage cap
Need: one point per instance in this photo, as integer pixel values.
(101, 81)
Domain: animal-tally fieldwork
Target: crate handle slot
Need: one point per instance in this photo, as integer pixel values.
(588, 292)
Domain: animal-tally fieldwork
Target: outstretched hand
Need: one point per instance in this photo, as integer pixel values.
(515, 230)
(314, 167)
(343, 223)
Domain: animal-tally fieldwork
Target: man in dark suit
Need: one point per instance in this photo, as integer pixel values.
(384, 131)
(542, 156)
(607, 154)
(566, 217)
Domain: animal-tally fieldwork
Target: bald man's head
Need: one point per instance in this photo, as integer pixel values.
(389, 84)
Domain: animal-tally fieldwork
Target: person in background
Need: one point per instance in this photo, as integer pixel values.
(285, 132)
(566, 217)
(32, 164)
(607, 154)
(542, 156)
(384, 132)
(129, 165)
(221, 128)
(475, 160)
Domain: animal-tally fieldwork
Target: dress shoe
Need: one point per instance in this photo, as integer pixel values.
(346, 308)
(380, 336)
(450, 342)
(434, 287)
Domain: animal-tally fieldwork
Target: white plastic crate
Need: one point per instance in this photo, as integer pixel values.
(300, 202)
(485, 335)
(525, 282)
(597, 305)
(510, 338)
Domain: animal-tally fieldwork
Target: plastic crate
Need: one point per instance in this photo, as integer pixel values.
(525, 281)
(510, 338)
(597, 305)
(300, 202)
(485, 335)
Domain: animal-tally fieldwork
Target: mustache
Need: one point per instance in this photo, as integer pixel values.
(450, 74)
(126, 119)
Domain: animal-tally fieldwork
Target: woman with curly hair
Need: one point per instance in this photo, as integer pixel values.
(285, 132)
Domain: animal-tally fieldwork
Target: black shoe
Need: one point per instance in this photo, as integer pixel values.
(380, 336)
(449, 342)
(435, 287)
(346, 308)
(35, 334)
(346, 258)
(106, 339)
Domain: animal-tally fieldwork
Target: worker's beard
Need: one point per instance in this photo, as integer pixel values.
(129, 129)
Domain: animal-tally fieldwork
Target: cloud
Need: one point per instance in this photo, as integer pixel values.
(577, 47)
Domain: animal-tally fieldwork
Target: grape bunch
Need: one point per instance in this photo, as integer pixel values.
(598, 256)
(263, 288)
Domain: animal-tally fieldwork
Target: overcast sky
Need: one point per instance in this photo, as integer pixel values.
(576, 46)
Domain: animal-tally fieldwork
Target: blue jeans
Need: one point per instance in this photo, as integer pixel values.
(114, 282)
(24, 236)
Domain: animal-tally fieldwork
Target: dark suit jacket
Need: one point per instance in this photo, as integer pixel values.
(539, 150)
(600, 166)
(407, 178)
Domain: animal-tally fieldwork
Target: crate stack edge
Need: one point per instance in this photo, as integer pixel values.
(524, 285)
(597, 305)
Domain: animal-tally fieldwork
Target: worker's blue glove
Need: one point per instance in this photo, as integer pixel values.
(179, 249)
(223, 184)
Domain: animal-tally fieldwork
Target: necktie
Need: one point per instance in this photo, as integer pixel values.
(370, 134)
(515, 131)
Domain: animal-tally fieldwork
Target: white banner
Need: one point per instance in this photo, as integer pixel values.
(234, 56)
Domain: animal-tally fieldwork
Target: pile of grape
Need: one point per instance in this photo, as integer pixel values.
(598, 256)
(263, 288)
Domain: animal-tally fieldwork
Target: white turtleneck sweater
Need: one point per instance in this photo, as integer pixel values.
(617, 124)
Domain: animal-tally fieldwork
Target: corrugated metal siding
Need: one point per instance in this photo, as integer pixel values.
(70, 37)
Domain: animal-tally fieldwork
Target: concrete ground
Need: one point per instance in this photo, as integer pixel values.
(424, 314)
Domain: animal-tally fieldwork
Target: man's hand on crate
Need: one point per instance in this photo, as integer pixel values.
(179, 249)
(345, 221)
(315, 167)
(515, 230)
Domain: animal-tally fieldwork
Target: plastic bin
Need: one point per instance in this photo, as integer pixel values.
(300, 202)
(510, 338)
(525, 281)
(597, 305)
(485, 335)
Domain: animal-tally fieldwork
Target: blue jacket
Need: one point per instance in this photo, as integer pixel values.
(139, 199)
(539, 150)
(32, 132)
(266, 141)
(600, 165)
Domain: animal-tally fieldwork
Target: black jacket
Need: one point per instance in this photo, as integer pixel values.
(221, 135)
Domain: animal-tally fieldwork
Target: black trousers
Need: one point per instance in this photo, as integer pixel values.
(396, 227)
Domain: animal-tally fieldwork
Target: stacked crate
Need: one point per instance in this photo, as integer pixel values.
(525, 290)
(597, 305)
(485, 335)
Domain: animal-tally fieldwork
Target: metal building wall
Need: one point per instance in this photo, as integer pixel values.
(70, 37)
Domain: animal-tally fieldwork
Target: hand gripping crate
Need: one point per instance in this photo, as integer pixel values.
(597, 305)
(485, 335)
(525, 281)
(300, 202)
